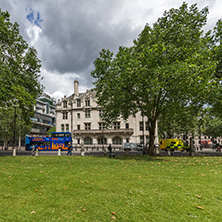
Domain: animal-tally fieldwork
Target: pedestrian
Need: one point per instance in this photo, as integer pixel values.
(110, 149)
(218, 150)
(33, 149)
(69, 150)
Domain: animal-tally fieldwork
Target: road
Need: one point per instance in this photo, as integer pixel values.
(204, 152)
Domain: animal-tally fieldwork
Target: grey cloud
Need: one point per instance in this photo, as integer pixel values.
(78, 32)
(74, 32)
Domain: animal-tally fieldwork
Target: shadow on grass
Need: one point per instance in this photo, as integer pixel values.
(136, 157)
(149, 158)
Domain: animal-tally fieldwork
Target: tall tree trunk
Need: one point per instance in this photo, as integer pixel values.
(151, 151)
(6, 143)
(191, 145)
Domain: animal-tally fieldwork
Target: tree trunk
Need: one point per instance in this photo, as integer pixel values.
(191, 146)
(151, 151)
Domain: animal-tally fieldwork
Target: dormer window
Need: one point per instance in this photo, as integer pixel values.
(87, 102)
(65, 104)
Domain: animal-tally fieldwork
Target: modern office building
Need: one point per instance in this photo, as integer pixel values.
(82, 116)
(44, 117)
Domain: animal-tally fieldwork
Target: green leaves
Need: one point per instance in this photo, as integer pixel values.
(19, 68)
(168, 71)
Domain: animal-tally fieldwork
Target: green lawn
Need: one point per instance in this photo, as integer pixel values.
(140, 188)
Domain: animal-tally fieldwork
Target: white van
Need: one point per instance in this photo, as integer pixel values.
(133, 146)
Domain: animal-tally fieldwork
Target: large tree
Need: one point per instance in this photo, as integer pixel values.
(19, 69)
(169, 65)
(12, 124)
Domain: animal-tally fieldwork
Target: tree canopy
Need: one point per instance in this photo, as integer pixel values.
(19, 69)
(171, 64)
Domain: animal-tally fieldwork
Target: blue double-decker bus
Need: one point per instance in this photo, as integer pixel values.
(57, 140)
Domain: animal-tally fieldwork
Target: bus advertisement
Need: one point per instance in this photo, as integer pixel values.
(57, 140)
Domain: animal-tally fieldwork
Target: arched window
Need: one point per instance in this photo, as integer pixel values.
(117, 140)
(102, 140)
(88, 141)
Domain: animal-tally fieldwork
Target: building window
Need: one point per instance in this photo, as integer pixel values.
(78, 115)
(117, 140)
(62, 127)
(141, 140)
(78, 102)
(141, 126)
(67, 127)
(127, 125)
(117, 125)
(102, 126)
(147, 139)
(88, 141)
(87, 102)
(78, 141)
(78, 127)
(147, 126)
(102, 140)
(127, 140)
(87, 126)
(87, 114)
(65, 115)
(100, 113)
(64, 104)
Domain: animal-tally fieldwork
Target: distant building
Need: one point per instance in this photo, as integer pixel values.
(82, 116)
(44, 117)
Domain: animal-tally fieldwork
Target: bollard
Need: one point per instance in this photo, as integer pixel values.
(59, 152)
(157, 151)
(14, 152)
(82, 152)
(169, 154)
(37, 152)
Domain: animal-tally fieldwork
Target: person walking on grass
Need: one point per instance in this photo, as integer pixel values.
(69, 150)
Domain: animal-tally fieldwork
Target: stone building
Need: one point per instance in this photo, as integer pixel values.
(82, 116)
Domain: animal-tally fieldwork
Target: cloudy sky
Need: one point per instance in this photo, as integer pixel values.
(69, 34)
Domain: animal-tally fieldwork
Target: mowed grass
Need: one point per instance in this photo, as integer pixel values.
(140, 188)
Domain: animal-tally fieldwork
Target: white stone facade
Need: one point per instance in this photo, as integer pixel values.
(81, 115)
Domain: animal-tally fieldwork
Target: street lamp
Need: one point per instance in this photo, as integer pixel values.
(200, 123)
(15, 116)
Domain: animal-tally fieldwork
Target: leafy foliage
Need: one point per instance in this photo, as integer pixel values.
(19, 79)
(177, 122)
(170, 65)
(53, 129)
(19, 66)
(7, 118)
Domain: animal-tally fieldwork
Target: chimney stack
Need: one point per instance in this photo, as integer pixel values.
(76, 88)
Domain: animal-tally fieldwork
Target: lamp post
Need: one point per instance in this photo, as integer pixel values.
(143, 129)
(15, 116)
(200, 123)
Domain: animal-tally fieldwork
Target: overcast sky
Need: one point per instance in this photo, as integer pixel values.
(69, 34)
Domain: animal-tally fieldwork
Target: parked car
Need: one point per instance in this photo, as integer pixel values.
(133, 146)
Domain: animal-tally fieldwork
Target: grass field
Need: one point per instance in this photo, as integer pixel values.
(140, 188)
